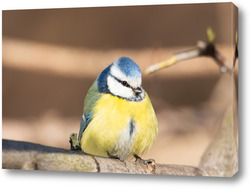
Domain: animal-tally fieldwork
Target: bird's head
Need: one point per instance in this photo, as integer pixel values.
(122, 79)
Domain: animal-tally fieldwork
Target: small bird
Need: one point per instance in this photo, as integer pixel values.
(118, 120)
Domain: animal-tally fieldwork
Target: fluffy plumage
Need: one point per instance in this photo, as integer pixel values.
(118, 118)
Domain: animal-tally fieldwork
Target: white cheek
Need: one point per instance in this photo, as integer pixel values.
(118, 89)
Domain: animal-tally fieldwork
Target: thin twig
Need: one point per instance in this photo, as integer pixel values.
(207, 49)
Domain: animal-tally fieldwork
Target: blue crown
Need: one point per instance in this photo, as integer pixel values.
(128, 66)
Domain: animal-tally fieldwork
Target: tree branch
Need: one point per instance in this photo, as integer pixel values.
(30, 156)
(221, 156)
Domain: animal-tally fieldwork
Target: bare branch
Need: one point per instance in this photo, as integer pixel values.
(207, 49)
(30, 156)
(221, 156)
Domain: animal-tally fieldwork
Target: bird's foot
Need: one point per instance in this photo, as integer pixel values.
(116, 157)
(74, 142)
(146, 162)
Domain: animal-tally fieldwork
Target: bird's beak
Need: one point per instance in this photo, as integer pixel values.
(137, 90)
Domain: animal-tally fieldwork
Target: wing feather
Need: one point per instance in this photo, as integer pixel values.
(92, 97)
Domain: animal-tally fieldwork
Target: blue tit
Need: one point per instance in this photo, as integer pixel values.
(118, 120)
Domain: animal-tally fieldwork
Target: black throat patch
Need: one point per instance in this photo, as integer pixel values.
(131, 127)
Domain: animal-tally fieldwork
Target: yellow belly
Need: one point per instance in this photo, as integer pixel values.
(110, 129)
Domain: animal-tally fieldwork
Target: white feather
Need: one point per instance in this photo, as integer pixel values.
(124, 142)
(118, 89)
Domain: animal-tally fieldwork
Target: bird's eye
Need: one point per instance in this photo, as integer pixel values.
(124, 83)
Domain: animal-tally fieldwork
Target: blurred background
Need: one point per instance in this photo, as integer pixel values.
(52, 56)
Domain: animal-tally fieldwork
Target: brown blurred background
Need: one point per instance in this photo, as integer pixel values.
(51, 57)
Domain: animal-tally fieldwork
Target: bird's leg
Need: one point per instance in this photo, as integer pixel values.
(146, 162)
(116, 157)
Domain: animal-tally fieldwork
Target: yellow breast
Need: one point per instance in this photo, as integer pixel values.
(110, 129)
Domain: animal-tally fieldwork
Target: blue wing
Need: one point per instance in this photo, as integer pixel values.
(83, 125)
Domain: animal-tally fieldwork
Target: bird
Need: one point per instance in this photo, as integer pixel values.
(118, 118)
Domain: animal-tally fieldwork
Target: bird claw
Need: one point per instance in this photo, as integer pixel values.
(117, 157)
(146, 162)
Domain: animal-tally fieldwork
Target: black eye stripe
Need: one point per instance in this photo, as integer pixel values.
(124, 83)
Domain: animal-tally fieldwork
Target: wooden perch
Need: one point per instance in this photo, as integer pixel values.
(30, 156)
